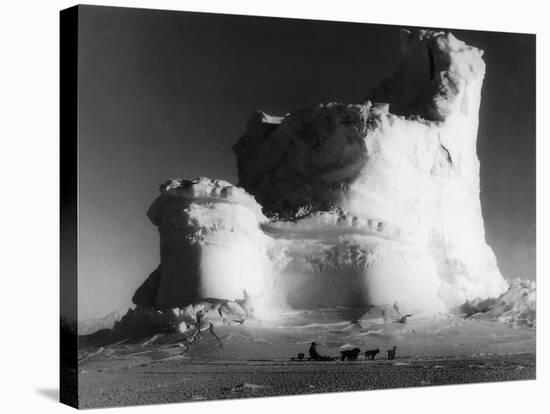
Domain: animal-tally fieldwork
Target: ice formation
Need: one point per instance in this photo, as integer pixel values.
(517, 306)
(373, 203)
(211, 244)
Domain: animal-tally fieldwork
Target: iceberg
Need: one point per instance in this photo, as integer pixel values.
(369, 203)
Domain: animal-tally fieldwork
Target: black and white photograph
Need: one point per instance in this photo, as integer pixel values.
(274, 207)
(271, 206)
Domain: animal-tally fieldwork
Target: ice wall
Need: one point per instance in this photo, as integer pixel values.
(328, 259)
(375, 202)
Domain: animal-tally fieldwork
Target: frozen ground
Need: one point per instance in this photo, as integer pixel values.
(255, 359)
(181, 379)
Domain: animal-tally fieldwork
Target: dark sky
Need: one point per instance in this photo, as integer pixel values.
(166, 94)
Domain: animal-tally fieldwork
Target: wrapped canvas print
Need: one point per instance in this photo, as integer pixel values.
(256, 206)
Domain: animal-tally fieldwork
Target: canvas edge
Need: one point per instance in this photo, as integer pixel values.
(68, 180)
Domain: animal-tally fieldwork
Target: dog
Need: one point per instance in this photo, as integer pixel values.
(350, 354)
(371, 354)
(391, 352)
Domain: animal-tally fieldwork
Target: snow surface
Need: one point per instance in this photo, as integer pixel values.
(333, 329)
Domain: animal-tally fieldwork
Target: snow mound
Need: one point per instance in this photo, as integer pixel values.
(107, 322)
(517, 306)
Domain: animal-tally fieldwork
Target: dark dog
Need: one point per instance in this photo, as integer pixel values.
(371, 353)
(391, 352)
(350, 354)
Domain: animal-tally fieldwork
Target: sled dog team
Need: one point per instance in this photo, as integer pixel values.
(353, 354)
(348, 354)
